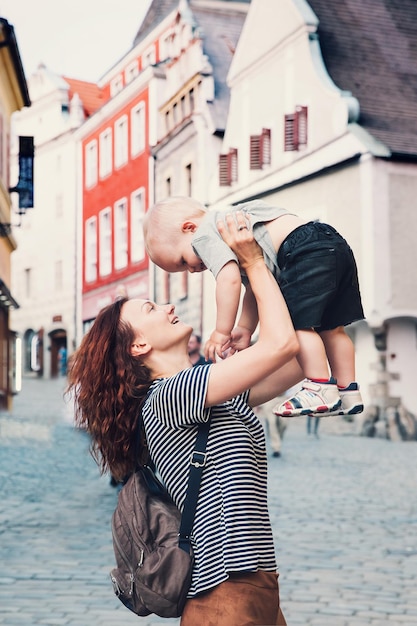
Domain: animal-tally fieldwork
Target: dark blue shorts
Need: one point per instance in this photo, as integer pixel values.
(319, 278)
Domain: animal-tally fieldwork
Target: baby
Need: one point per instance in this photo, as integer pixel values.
(317, 274)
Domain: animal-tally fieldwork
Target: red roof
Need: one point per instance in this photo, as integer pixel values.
(91, 95)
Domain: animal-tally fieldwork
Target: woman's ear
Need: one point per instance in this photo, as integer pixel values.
(139, 347)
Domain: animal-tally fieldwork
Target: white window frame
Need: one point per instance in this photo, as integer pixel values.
(149, 57)
(91, 249)
(59, 276)
(131, 71)
(121, 141)
(105, 247)
(116, 85)
(106, 153)
(137, 129)
(137, 213)
(120, 234)
(91, 164)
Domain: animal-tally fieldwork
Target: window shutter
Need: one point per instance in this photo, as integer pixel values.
(266, 146)
(233, 164)
(289, 132)
(301, 113)
(255, 162)
(228, 167)
(295, 129)
(224, 178)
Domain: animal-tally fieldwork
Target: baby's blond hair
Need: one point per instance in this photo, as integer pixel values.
(162, 223)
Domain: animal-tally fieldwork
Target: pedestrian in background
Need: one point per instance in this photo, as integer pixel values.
(315, 421)
(132, 371)
(62, 360)
(194, 351)
(275, 425)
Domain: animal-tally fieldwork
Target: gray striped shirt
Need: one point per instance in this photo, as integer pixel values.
(232, 530)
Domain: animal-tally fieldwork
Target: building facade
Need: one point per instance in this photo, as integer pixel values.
(322, 122)
(45, 266)
(14, 96)
(157, 134)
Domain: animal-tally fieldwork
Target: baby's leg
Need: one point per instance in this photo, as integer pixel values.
(312, 355)
(319, 393)
(340, 354)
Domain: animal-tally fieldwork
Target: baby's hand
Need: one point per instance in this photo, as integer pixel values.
(240, 339)
(216, 345)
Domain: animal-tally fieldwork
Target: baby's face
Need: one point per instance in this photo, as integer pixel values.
(180, 257)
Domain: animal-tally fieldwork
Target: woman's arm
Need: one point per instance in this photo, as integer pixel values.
(277, 343)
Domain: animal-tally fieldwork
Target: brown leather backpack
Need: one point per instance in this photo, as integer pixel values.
(153, 572)
(151, 539)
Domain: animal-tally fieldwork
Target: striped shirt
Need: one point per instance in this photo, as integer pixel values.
(232, 530)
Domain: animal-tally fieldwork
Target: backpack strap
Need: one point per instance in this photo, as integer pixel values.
(197, 464)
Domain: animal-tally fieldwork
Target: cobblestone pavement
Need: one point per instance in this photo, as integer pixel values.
(344, 511)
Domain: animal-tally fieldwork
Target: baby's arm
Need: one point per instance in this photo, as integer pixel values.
(242, 333)
(228, 289)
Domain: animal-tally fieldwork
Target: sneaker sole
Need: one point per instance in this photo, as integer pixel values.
(353, 410)
(318, 410)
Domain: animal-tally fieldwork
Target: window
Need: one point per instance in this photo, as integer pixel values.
(91, 250)
(91, 164)
(131, 71)
(178, 286)
(59, 205)
(166, 47)
(295, 129)
(137, 245)
(120, 234)
(228, 167)
(58, 276)
(260, 149)
(106, 149)
(138, 129)
(28, 282)
(188, 181)
(183, 107)
(116, 85)
(149, 57)
(105, 242)
(120, 142)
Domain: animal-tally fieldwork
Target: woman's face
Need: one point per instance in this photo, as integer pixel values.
(155, 324)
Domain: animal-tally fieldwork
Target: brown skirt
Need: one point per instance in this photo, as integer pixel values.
(247, 599)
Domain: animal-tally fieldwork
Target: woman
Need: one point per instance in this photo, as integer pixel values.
(135, 357)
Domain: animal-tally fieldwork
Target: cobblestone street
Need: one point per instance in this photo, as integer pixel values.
(344, 512)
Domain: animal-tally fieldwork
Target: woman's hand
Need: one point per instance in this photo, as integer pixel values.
(238, 235)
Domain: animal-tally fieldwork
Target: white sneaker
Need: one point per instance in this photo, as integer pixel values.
(312, 399)
(352, 403)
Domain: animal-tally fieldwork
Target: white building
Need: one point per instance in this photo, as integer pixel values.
(322, 122)
(44, 268)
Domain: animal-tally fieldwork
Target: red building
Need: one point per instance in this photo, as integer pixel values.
(116, 171)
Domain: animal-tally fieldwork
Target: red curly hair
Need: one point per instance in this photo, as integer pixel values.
(108, 386)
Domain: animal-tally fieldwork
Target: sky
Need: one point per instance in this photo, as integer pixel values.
(80, 39)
